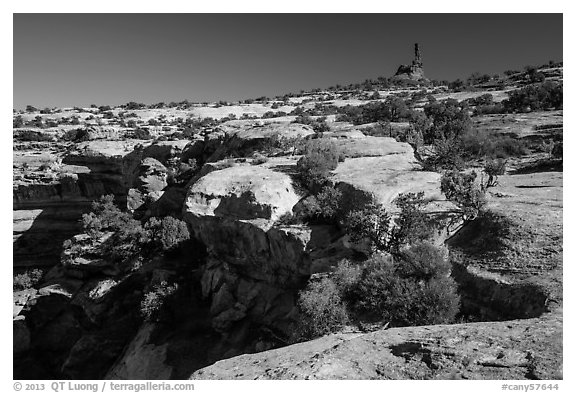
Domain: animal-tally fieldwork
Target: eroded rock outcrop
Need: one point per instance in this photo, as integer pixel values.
(414, 71)
(242, 137)
(252, 265)
(523, 349)
(49, 201)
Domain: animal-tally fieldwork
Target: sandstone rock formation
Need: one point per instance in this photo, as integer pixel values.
(48, 204)
(242, 137)
(505, 283)
(522, 349)
(414, 71)
(251, 263)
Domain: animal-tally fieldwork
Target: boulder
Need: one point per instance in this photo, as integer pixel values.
(248, 193)
(151, 176)
(164, 151)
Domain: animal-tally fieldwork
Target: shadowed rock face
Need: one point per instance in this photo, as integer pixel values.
(47, 208)
(253, 265)
(414, 71)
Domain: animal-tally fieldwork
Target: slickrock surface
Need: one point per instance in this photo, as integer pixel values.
(522, 349)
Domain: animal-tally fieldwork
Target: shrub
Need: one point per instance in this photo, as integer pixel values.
(490, 109)
(32, 136)
(478, 145)
(127, 244)
(462, 189)
(26, 280)
(140, 133)
(423, 261)
(126, 240)
(76, 135)
(371, 223)
(153, 302)
(323, 207)
(393, 109)
(320, 157)
(535, 97)
(106, 216)
(446, 154)
(318, 125)
(412, 224)
(493, 169)
(382, 294)
(322, 309)
(18, 122)
(450, 120)
(345, 276)
(168, 233)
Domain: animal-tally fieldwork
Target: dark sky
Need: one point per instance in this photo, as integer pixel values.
(80, 59)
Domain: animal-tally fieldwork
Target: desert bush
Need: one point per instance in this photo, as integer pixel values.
(462, 189)
(168, 233)
(106, 216)
(128, 237)
(32, 136)
(76, 135)
(322, 310)
(346, 275)
(484, 99)
(412, 224)
(127, 244)
(535, 97)
(133, 105)
(127, 241)
(423, 261)
(491, 145)
(324, 207)
(372, 223)
(27, 279)
(393, 109)
(446, 154)
(320, 157)
(139, 133)
(494, 168)
(154, 300)
(490, 109)
(318, 125)
(381, 129)
(450, 120)
(389, 294)
(18, 122)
